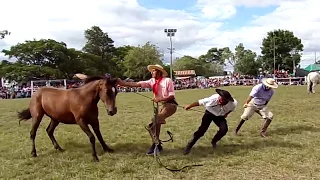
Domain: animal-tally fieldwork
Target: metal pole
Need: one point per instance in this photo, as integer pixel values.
(294, 66)
(293, 52)
(274, 54)
(170, 33)
(170, 57)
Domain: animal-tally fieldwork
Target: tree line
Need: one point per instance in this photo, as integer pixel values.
(49, 59)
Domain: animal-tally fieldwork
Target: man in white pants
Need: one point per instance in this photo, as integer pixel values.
(257, 101)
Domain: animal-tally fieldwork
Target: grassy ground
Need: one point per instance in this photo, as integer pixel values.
(290, 152)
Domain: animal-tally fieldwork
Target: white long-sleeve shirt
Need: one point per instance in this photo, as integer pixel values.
(212, 105)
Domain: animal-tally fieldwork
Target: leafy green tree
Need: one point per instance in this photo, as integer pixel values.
(101, 45)
(286, 48)
(49, 55)
(213, 69)
(44, 52)
(187, 63)
(201, 67)
(214, 55)
(247, 64)
(118, 59)
(217, 57)
(23, 73)
(167, 68)
(138, 58)
(227, 56)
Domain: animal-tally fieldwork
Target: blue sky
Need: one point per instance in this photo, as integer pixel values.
(244, 16)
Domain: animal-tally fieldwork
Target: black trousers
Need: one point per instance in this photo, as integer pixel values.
(207, 118)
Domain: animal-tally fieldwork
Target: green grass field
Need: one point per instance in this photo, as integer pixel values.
(290, 152)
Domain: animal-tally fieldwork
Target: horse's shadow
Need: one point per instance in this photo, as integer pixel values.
(197, 151)
(296, 129)
(240, 149)
(129, 147)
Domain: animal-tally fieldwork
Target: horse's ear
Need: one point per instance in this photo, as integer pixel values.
(112, 81)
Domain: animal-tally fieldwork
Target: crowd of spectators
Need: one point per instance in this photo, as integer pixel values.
(24, 91)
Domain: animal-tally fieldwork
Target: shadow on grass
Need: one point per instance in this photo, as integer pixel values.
(296, 129)
(118, 147)
(240, 149)
(196, 152)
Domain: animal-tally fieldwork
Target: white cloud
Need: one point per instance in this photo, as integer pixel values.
(129, 23)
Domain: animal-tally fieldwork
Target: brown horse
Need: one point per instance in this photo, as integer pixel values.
(72, 106)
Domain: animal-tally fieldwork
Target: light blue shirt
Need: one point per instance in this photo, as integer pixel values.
(261, 96)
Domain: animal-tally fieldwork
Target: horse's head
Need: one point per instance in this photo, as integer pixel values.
(108, 92)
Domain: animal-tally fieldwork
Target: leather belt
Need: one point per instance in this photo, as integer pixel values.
(172, 101)
(259, 104)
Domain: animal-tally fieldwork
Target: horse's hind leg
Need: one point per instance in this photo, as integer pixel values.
(50, 130)
(35, 125)
(96, 129)
(314, 88)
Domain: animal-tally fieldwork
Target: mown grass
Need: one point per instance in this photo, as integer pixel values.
(290, 152)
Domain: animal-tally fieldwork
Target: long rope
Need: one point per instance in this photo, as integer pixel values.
(158, 142)
(178, 105)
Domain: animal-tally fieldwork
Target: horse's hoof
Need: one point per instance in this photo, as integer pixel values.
(33, 154)
(95, 159)
(109, 150)
(60, 150)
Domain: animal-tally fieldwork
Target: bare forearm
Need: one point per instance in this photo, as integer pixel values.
(226, 115)
(130, 84)
(194, 104)
(248, 99)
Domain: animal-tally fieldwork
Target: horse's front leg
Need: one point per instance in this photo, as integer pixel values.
(96, 128)
(84, 126)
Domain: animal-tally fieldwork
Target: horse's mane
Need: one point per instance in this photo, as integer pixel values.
(95, 78)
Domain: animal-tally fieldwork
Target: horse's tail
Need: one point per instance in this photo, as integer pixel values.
(24, 115)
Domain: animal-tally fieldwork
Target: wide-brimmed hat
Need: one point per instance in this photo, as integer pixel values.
(270, 82)
(81, 76)
(159, 68)
(225, 94)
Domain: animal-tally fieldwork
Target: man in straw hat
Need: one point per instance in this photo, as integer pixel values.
(163, 90)
(218, 106)
(257, 101)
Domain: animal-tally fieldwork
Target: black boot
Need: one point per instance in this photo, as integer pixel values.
(265, 127)
(239, 126)
(190, 145)
(151, 149)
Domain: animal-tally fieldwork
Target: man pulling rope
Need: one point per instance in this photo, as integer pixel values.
(257, 101)
(218, 106)
(163, 90)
